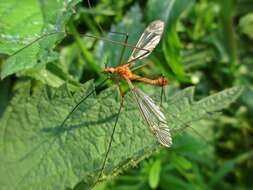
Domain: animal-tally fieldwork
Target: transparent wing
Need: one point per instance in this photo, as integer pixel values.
(154, 117)
(148, 40)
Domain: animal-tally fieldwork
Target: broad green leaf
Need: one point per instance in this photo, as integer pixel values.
(184, 107)
(22, 22)
(180, 162)
(246, 25)
(37, 153)
(154, 174)
(53, 75)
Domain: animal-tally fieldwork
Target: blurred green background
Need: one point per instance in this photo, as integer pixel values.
(206, 43)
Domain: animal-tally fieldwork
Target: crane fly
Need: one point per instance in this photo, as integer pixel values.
(151, 113)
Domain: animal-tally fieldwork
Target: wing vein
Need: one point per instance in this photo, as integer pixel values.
(153, 115)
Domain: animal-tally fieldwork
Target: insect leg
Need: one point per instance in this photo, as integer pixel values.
(98, 25)
(124, 46)
(139, 66)
(36, 40)
(118, 33)
(131, 62)
(185, 126)
(163, 95)
(110, 143)
(82, 100)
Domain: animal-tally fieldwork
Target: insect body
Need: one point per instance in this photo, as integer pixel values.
(151, 113)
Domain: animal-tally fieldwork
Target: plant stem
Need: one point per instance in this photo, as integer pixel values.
(84, 50)
(226, 14)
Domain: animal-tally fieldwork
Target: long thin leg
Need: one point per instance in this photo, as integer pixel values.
(34, 41)
(126, 35)
(90, 36)
(99, 26)
(140, 56)
(83, 99)
(162, 94)
(124, 48)
(121, 44)
(110, 143)
(139, 66)
(118, 33)
(186, 126)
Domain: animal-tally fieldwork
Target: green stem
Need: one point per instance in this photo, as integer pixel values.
(90, 25)
(85, 52)
(227, 9)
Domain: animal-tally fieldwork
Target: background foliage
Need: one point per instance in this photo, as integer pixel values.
(206, 43)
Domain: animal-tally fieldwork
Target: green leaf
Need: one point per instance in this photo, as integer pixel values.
(5, 94)
(180, 162)
(53, 75)
(172, 45)
(72, 61)
(157, 9)
(244, 7)
(22, 22)
(182, 105)
(246, 25)
(36, 153)
(154, 174)
(228, 166)
(228, 30)
(175, 183)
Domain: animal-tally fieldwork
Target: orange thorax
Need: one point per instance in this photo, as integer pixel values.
(124, 72)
